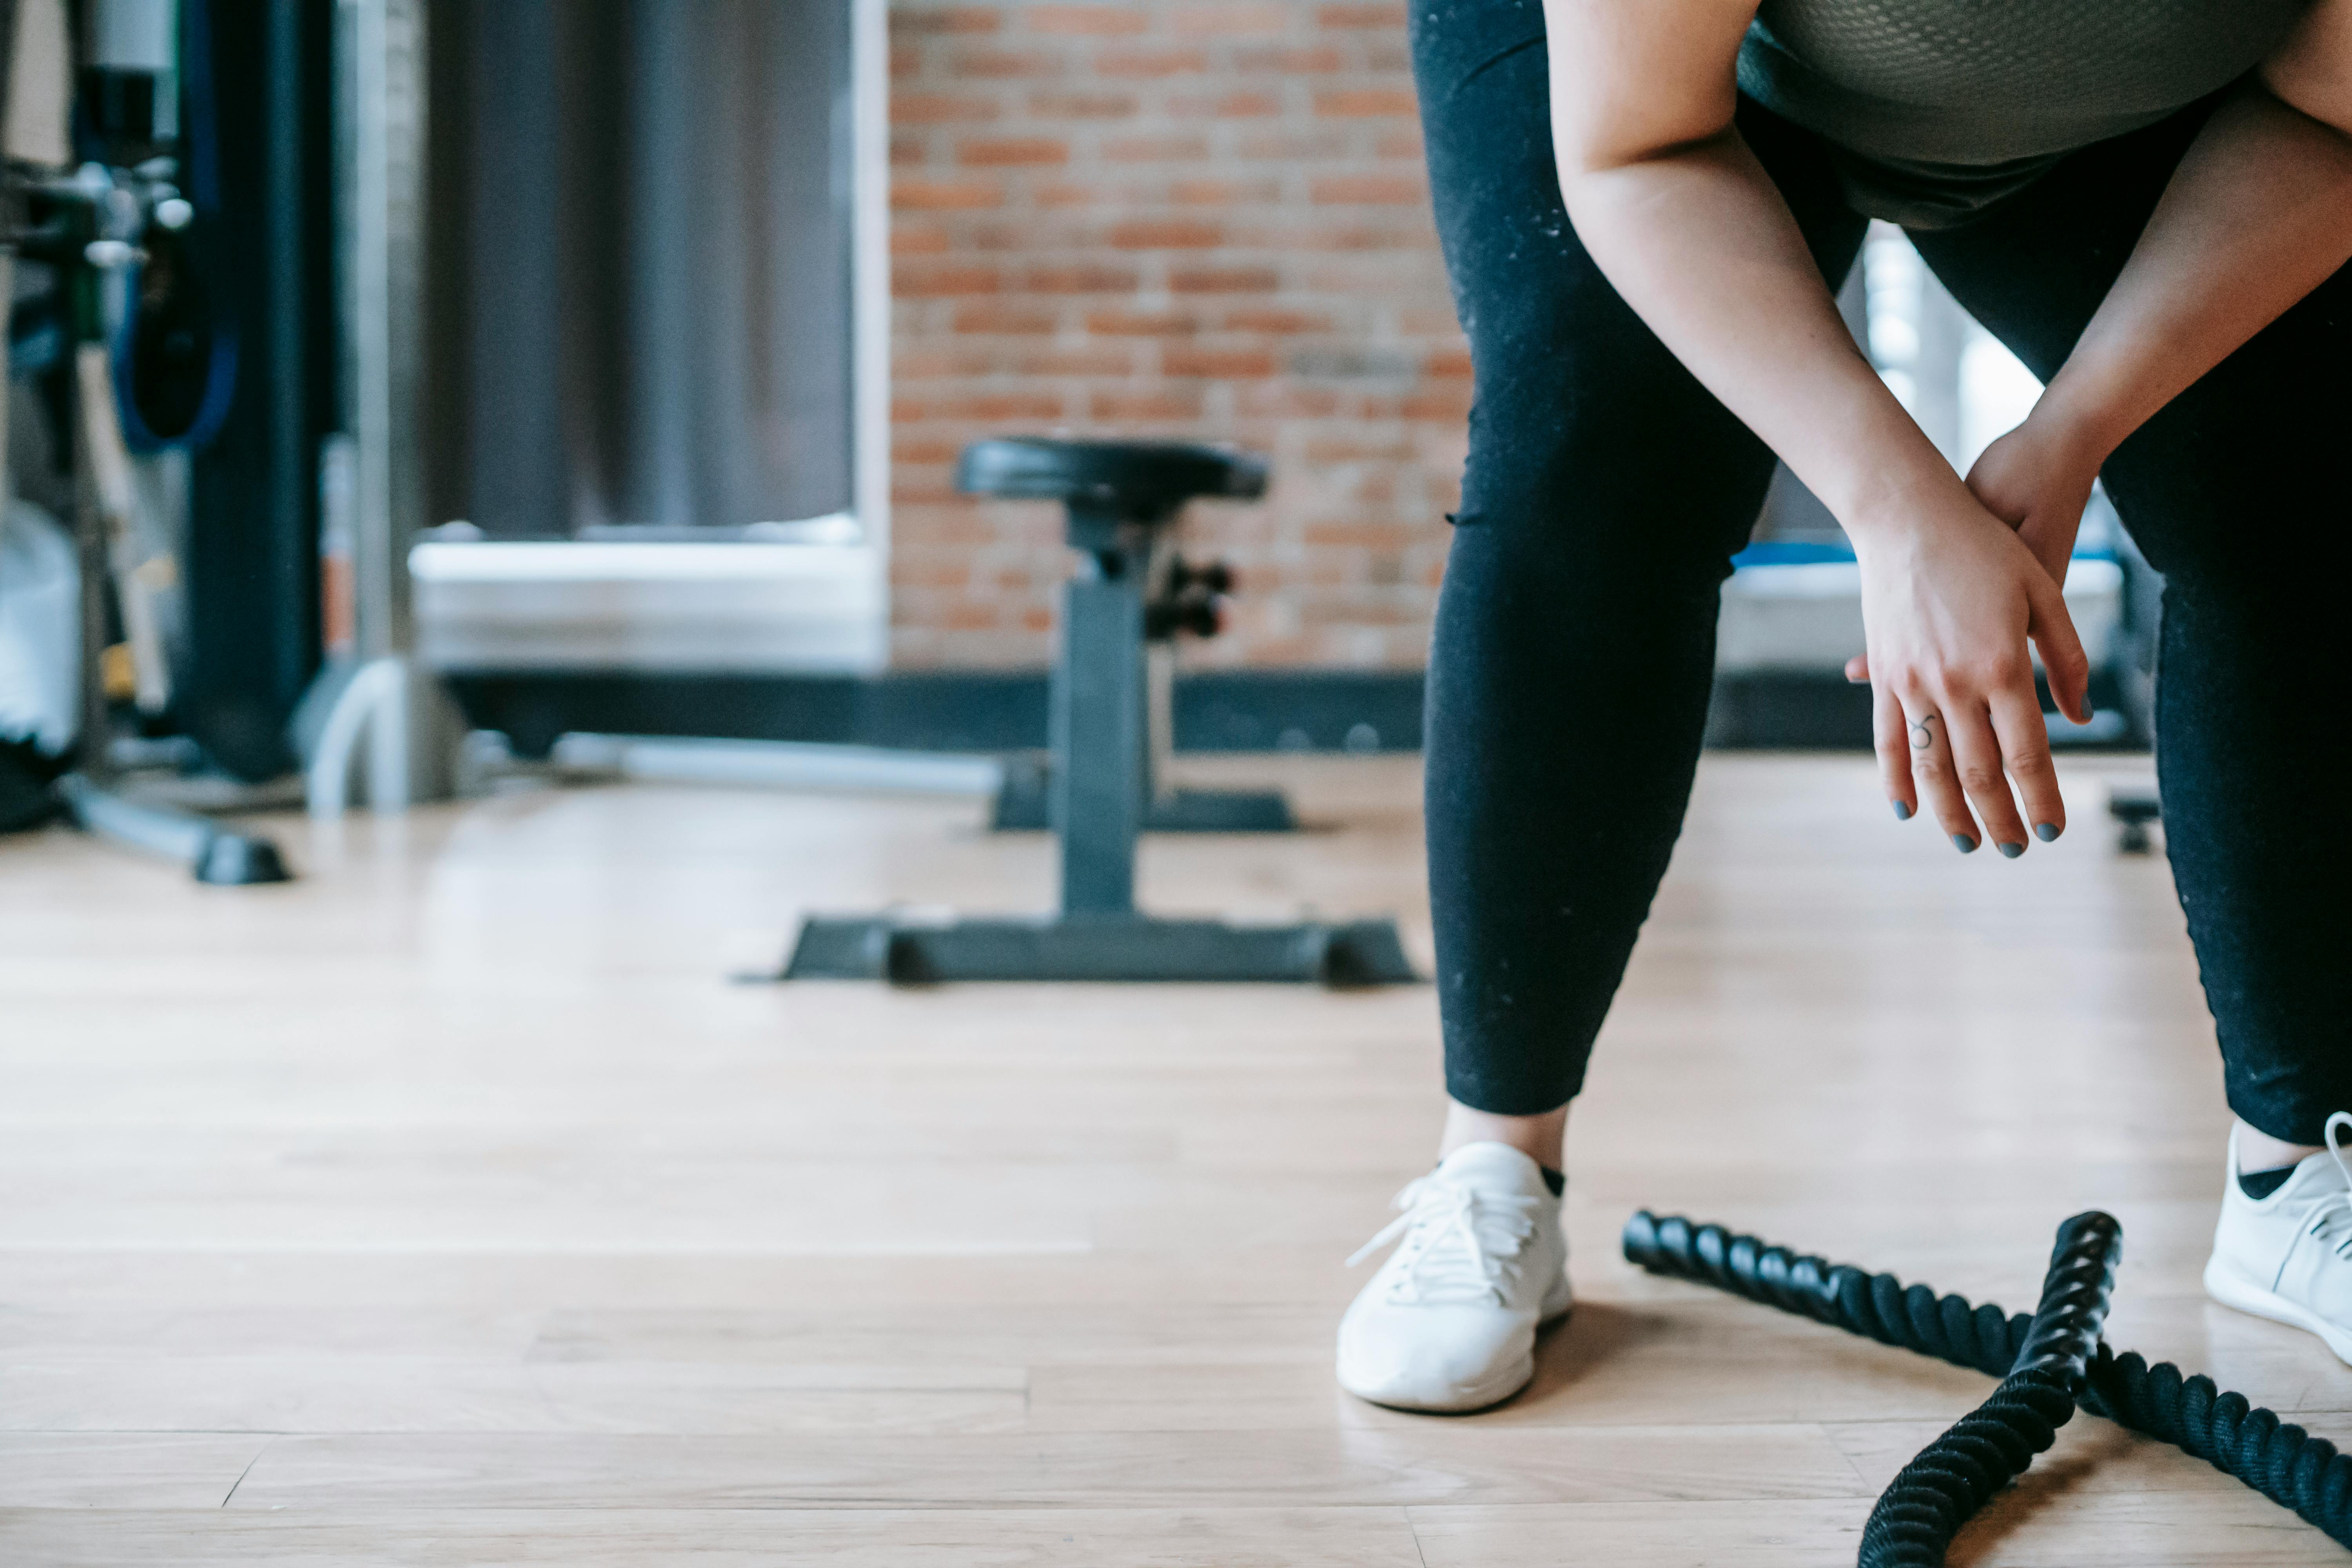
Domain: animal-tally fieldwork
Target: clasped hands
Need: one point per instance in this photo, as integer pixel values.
(1955, 582)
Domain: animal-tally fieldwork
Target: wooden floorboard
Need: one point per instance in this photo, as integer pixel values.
(450, 1207)
(720, 1538)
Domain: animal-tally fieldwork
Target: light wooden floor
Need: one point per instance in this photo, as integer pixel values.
(449, 1207)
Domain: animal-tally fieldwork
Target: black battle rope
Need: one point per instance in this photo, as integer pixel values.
(2044, 1379)
(1957, 1474)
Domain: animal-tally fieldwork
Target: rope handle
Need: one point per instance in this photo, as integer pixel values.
(2064, 1333)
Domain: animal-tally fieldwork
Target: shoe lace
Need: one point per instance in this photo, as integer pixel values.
(1459, 1245)
(2330, 1216)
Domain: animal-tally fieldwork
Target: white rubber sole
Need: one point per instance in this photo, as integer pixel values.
(1468, 1403)
(1508, 1382)
(2233, 1289)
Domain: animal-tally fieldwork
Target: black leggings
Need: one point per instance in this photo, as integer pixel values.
(1606, 490)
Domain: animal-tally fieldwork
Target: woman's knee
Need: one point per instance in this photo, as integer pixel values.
(1637, 498)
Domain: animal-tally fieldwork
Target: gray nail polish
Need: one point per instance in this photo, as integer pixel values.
(2045, 831)
(2011, 851)
(1902, 812)
(1964, 843)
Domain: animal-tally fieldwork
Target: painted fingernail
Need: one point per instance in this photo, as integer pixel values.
(2011, 851)
(1964, 843)
(2045, 831)
(1902, 812)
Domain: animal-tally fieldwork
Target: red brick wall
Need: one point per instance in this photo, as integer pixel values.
(1171, 217)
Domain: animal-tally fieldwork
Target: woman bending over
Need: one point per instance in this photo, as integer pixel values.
(1645, 207)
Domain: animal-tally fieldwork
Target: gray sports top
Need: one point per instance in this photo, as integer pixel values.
(1939, 107)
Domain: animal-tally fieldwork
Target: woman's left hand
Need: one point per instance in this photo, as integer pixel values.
(2037, 479)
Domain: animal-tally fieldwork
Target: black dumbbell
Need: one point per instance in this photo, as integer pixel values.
(1203, 616)
(1214, 577)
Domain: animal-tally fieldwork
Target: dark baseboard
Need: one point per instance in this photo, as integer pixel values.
(1782, 713)
(946, 711)
(993, 710)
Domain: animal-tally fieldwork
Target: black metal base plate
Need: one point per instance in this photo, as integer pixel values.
(1127, 948)
(2137, 807)
(1021, 806)
(211, 854)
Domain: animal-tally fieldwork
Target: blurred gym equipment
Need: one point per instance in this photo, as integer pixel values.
(130, 341)
(1184, 597)
(2136, 807)
(1120, 500)
(487, 758)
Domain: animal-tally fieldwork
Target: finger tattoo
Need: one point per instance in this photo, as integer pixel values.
(1921, 736)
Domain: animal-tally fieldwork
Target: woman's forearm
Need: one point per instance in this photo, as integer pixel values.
(1674, 207)
(2258, 213)
(1701, 246)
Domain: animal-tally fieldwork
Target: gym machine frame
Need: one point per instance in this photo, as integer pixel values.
(1121, 500)
(85, 225)
(1183, 598)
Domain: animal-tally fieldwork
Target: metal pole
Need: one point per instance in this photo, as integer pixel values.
(1098, 740)
(90, 548)
(384, 306)
(383, 69)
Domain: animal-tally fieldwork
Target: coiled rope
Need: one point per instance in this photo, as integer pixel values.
(1956, 1475)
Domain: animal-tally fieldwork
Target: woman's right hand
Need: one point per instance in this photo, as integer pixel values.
(1950, 597)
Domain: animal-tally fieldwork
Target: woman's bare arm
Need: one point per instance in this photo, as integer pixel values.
(1677, 212)
(1681, 217)
(2258, 215)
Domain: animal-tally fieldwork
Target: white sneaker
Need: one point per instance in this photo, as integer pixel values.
(2288, 1256)
(1449, 1321)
